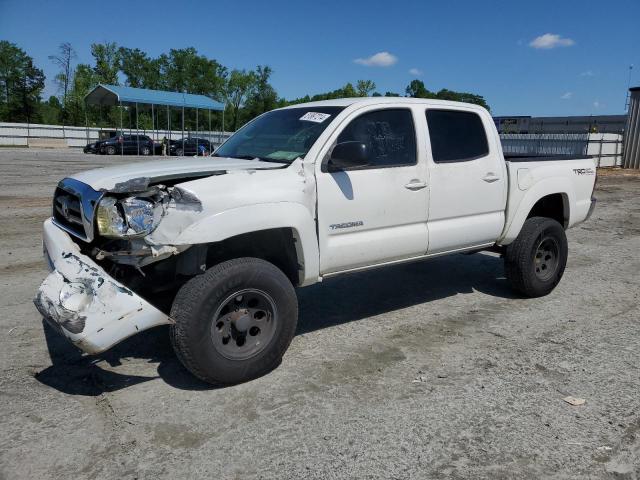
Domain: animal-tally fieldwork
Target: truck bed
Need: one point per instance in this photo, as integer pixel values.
(543, 158)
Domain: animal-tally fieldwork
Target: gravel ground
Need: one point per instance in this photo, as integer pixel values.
(433, 369)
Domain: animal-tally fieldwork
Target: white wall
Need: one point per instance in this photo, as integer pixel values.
(606, 148)
(20, 134)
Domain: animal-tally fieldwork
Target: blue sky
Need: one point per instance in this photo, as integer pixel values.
(578, 65)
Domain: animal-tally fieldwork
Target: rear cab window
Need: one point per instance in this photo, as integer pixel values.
(456, 136)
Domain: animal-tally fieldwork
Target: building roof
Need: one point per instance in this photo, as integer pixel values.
(114, 95)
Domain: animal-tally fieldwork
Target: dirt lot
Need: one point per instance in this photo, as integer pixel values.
(427, 370)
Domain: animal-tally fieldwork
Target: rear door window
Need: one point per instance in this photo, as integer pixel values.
(456, 136)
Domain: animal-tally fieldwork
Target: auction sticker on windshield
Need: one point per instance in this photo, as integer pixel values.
(316, 117)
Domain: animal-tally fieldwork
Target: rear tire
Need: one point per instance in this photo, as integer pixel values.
(536, 259)
(179, 152)
(234, 322)
(111, 150)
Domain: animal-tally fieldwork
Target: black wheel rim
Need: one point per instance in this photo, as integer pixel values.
(545, 261)
(244, 324)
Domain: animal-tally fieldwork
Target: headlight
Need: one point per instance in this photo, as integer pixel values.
(129, 217)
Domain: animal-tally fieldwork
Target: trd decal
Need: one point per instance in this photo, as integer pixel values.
(584, 171)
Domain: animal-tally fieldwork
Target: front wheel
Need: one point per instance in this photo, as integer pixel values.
(111, 150)
(535, 261)
(234, 322)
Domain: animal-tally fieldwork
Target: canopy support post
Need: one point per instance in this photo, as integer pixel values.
(197, 141)
(121, 132)
(137, 131)
(210, 144)
(86, 120)
(153, 132)
(183, 131)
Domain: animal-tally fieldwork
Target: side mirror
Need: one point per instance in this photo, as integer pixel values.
(348, 155)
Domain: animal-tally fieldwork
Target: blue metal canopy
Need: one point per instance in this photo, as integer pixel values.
(115, 95)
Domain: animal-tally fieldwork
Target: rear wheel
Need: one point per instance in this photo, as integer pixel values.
(234, 322)
(535, 261)
(111, 150)
(179, 152)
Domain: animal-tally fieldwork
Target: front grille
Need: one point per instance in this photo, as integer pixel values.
(74, 203)
(67, 212)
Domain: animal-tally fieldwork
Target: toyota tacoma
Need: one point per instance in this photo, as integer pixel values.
(215, 246)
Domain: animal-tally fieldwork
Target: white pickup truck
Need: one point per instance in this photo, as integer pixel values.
(215, 246)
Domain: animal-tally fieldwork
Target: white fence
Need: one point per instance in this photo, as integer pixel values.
(606, 148)
(25, 135)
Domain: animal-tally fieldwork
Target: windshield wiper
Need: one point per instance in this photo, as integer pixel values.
(240, 157)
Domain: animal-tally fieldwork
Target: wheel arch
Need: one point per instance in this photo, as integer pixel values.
(548, 198)
(282, 233)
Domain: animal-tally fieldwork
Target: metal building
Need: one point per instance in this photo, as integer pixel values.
(561, 125)
(631, 152)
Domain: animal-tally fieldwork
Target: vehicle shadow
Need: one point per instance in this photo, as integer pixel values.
(333, 302)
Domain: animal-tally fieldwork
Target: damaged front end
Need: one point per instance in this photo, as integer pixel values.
(88, 306)
(97, 244)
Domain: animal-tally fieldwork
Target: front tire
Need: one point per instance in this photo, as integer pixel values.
(536, 259)
(234, 322)
(111, 150)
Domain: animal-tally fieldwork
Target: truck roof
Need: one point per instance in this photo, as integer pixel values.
(345, 102)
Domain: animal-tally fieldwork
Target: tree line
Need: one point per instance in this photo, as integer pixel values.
(245, 93)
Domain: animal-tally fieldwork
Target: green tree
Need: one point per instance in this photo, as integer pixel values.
(416, 89)
(107, 58)
(140, 70)
(51, 111)
(263, 96)
(64, 78)
(239, 86)
(28, 88)
(445, 94)
(364, 87)
(84, 80)
(22, 84)
(184, 70)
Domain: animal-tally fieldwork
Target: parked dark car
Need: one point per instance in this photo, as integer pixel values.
(128, 145)
(189, 146)
(93, 147)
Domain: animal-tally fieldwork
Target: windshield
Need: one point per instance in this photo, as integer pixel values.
(280, 135)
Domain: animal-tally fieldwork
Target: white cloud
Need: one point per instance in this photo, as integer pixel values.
(597, 104)
(550, 40)
(415, 72)
(567, 96)
(588, 73)
(380, 59)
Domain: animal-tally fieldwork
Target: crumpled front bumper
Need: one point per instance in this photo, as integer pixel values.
(86, 305)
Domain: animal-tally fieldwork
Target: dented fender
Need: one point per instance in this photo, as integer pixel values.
(84, 303)
(252, 218)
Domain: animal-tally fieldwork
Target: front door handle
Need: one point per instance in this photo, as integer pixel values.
(415, 185)
(491, 177)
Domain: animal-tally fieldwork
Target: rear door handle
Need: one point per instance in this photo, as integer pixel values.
(415, 185)
(491, 177)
